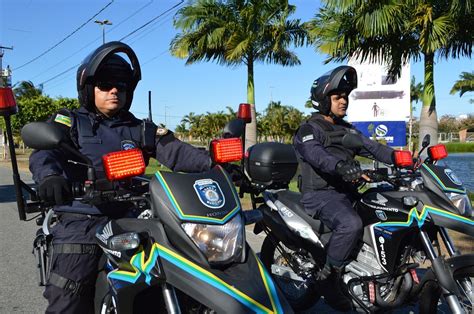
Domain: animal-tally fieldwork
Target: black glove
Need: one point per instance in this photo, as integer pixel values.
(55, 189)
(349, 170)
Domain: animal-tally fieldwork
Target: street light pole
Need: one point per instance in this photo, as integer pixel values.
(103, 23)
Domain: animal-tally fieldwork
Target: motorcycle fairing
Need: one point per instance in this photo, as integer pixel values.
(259, 296)
(438, 216)
(444, 178)
(387, 243)
(185, 195)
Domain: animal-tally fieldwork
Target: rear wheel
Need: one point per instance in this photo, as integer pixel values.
(300, 292)
(430, 294)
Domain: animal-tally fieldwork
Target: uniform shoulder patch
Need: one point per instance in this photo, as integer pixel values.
(161, 131)
(306, 133)
(60, 118)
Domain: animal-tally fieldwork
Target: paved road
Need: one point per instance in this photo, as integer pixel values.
(19, 290)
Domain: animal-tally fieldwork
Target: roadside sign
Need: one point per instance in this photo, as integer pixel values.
(392, 132)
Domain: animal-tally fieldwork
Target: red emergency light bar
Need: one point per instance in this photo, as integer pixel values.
(124, 164)
(245, 113)
(437, 152)
(403, 158)
(226, 150)
(7, 102)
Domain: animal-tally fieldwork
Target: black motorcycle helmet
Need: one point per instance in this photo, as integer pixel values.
(342, 78)
(105, 62)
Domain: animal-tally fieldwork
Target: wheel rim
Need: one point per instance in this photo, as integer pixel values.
(466, 298)
(294, 290)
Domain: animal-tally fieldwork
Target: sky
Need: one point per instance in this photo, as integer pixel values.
(51, 37)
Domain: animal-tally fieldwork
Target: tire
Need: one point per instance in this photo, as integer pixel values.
(300, 295)
(430, 294)
(107, 306)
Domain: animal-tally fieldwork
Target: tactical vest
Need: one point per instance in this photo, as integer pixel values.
(313, 179)
(93, 139)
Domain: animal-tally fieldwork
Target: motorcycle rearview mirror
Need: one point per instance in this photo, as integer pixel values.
(426, 141)
(352, 141)
(42, 135)
(234, 128)
(45, 136)
(252, 216)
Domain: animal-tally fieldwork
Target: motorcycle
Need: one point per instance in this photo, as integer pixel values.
(403, 212)
(184, 251)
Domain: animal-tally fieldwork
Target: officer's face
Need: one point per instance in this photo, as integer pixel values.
(339, 104)
(110, 97)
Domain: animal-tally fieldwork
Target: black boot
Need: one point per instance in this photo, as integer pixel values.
(329, 282)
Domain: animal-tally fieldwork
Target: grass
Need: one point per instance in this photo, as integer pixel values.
(460, 147)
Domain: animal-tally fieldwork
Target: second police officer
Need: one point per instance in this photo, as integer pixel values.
(328, 170)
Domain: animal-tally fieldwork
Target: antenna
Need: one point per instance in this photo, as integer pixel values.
(149, 106)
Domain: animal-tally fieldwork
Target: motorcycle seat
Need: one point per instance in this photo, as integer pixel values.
(293, 201)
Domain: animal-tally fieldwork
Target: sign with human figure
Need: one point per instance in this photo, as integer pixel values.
(380, 98)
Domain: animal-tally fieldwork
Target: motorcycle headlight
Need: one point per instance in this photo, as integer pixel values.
(462, 202)
(220, 243)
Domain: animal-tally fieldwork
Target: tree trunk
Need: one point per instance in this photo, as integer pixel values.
(428, 117)
(251, 128)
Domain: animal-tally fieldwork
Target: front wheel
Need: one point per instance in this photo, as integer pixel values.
(300, 292)
(431, 292)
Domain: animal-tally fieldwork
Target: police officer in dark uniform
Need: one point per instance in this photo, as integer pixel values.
(102, 124)
(328, 170)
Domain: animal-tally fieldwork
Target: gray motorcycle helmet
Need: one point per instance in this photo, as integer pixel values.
(105, 62)
(342, 78)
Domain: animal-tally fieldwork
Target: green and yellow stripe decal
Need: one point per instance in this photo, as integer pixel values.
(441, 184)
(142, 266)
(421, 217)
(184, 216)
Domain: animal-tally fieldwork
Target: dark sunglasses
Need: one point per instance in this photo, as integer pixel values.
(107, 86)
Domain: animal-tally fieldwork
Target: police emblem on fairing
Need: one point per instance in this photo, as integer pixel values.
(126, 145)
(454, 178)
(209, 193)
(381, 215)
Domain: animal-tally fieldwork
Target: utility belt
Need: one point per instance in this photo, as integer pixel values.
(44, 249)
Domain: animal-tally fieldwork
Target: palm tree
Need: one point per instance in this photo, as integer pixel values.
(464, 84)
(27, 89)
(416, 93)
(181, 131)
(397, 32)
(236, 32)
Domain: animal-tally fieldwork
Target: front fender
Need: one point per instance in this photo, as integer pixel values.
(449, 270)
(240, 288)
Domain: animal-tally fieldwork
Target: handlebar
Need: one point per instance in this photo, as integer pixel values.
(100, 191)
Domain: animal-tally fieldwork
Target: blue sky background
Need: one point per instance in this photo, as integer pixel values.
(33, 27)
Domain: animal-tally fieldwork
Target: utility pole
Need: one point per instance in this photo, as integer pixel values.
(103, 23)
(5, 76)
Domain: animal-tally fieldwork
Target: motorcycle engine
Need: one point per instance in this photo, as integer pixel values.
(364, 265)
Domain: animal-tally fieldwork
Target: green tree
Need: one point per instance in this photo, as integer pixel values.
(416, 94)
(26, 89)
(397, 32)
(34, 106)
(448, 124)
(280, 122)
(181, 130)
(464, 84)
(236, 32)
